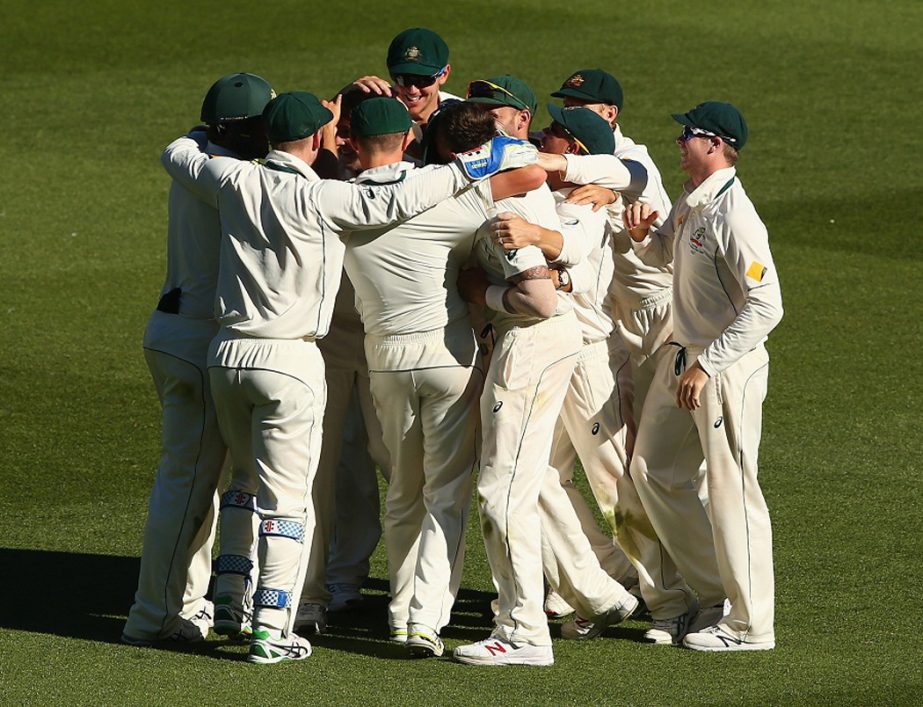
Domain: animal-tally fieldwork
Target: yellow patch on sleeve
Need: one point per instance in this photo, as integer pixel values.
(756, 271)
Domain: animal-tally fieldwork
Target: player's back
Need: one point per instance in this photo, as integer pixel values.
(406, 275)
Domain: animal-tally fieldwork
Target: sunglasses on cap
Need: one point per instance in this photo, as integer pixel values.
(689, 132)
(408, 80)
(562, 132)
(486, 89)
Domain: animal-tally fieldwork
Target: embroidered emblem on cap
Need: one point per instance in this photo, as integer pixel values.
(576, 81)
(412, 54)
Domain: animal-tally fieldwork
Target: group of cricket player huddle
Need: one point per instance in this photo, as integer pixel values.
(474, 301)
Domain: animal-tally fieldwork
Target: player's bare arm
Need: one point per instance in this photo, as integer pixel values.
(370, 84)
(533, 293)
(513, 232)
(517, 181)
(326, 162)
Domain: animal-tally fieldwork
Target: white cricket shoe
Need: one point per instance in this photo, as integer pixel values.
(718, 639)
(311, 616)
(268, 647)
(581, 629)
(496, 651)
(424, 642)
(670, 632)
(343, 596)
(397, 634)
(555, 605)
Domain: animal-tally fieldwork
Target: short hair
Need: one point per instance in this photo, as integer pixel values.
(387, 142)
(458, 128)
(730, 154)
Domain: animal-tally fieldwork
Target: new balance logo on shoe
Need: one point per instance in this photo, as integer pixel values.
(495, 648)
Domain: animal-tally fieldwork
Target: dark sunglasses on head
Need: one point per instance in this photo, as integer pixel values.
(486, 89)
(408, 80)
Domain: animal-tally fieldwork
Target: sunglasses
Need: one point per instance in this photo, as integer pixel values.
(486, 89)
(690, 132)
(408, 80)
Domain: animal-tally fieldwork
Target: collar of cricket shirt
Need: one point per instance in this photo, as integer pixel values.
(287, 162)
(714, 186)
(385, 174)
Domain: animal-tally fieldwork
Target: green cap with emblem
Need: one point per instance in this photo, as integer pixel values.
(503, 91)
(593, 86)
(417, 51)
(236, 97)
(293, 116)
(719, 119)
(589, 130)
(379, 116)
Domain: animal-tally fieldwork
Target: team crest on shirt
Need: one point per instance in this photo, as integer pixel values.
(575, 81)
(412, 54)
(697, 240)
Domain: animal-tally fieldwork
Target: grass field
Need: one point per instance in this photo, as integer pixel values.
(91, 92)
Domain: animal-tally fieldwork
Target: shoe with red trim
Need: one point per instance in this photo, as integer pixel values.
(497, 651)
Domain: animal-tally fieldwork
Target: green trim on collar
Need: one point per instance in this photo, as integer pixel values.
(725, 187)
(283, 168)
(373, 183)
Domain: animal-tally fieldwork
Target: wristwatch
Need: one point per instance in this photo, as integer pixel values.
(563, 279)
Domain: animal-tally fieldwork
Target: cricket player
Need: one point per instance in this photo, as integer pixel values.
(707, 401)
(281, 263)
(176, 557)
(426, 375)
(538, 339)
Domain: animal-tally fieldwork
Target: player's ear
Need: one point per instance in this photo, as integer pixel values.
(525, 118)
(408, 138)
(613, 115)
(316, 141)
(445, 75)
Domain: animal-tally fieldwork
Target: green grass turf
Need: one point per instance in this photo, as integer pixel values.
(91, 92)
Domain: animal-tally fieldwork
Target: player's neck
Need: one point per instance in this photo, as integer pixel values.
(381, 159)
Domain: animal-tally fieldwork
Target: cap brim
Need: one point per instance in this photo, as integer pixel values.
(574, 93)
(415, 69)
(683, 119)
(557, 113)
(491, 102)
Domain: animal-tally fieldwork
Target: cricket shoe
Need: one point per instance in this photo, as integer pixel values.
(343, 596)
(716, 639)
(186, 632)
(667, 632)
(268, 647)
(581, 629)
(311, 616)
(556, 606)
(232, 621)
(496, 651)
(706, 618)
(423, 642)
(397, 634)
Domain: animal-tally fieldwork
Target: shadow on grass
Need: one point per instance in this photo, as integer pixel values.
(87, 597)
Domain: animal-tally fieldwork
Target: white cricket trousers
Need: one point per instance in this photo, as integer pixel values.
(426, 388)
(178, 535)
(593, 427)
(732, 555)
(270, 396)
(526, 383)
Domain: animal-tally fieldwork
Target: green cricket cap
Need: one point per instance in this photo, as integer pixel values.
(236, 97)
(593, 85)
(503, 91)
(293, 116)
(588, 128)
(717, 118)
(417, 51)
(379, 116)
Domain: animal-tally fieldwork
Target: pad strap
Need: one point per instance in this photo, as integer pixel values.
(271, 598)
(234, 498)
(233, 564)
(283, 529)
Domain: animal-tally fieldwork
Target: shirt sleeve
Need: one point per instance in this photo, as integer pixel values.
(195, 170)
(749, 260)
(627, 177)
(356, 207)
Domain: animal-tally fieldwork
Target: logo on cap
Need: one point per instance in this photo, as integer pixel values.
(412, 54)
(576, 81)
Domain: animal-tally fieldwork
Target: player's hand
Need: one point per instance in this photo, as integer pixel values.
(691, 383)
(373, 84)
(592, 194)
(512, 232)
(335, 106)
(472, 285)
(638, 219)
